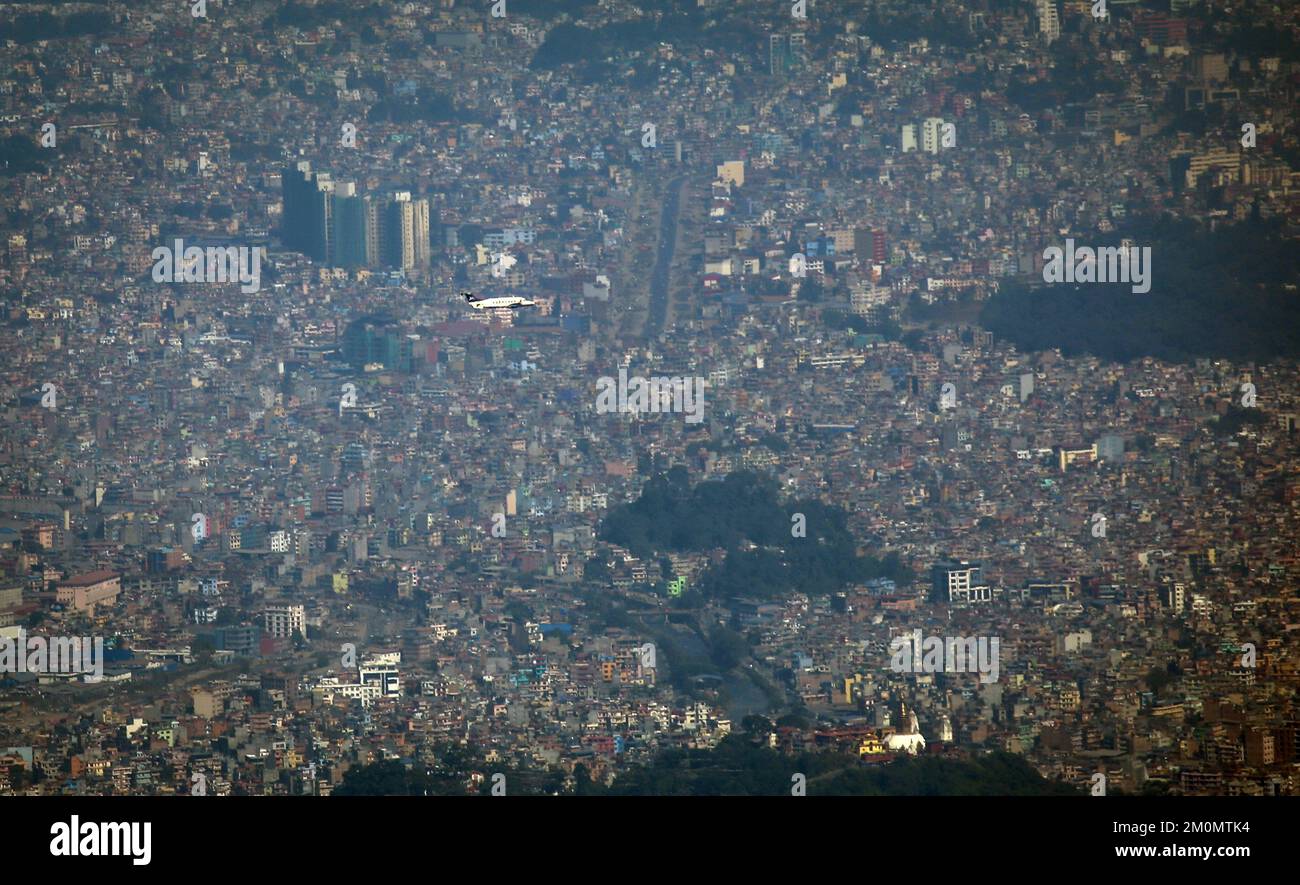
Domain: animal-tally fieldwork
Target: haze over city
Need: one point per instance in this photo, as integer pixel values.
(673, 397)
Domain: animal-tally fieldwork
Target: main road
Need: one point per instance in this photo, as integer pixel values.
(661, 276)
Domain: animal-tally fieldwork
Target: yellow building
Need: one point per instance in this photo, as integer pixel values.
(870, 746)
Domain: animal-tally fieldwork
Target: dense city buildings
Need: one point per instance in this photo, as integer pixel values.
(325, 514)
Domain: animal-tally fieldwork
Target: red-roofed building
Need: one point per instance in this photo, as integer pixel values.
(83, 592)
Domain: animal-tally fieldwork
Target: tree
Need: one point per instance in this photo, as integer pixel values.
(811, 290)
(388, 778)
(582, 783)
(203, 647)
(1157, 679)
(596, 570)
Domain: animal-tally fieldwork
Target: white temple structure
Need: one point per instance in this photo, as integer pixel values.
(910, 739)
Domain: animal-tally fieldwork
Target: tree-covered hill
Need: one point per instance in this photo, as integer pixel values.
(737, 767)
(1220, 294)
(743, 515)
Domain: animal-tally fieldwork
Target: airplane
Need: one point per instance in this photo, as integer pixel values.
(507, 301)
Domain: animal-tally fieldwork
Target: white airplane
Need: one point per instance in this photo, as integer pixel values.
(507, 301)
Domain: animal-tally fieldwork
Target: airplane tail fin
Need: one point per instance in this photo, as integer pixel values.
(469, 296)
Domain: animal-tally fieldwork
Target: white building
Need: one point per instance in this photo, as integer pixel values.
(1049, 21)
(281, 621)
(382, 676)
(909, 740)
(909, 138)
(931, 134)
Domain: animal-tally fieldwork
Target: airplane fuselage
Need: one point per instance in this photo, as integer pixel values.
(506, 301)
